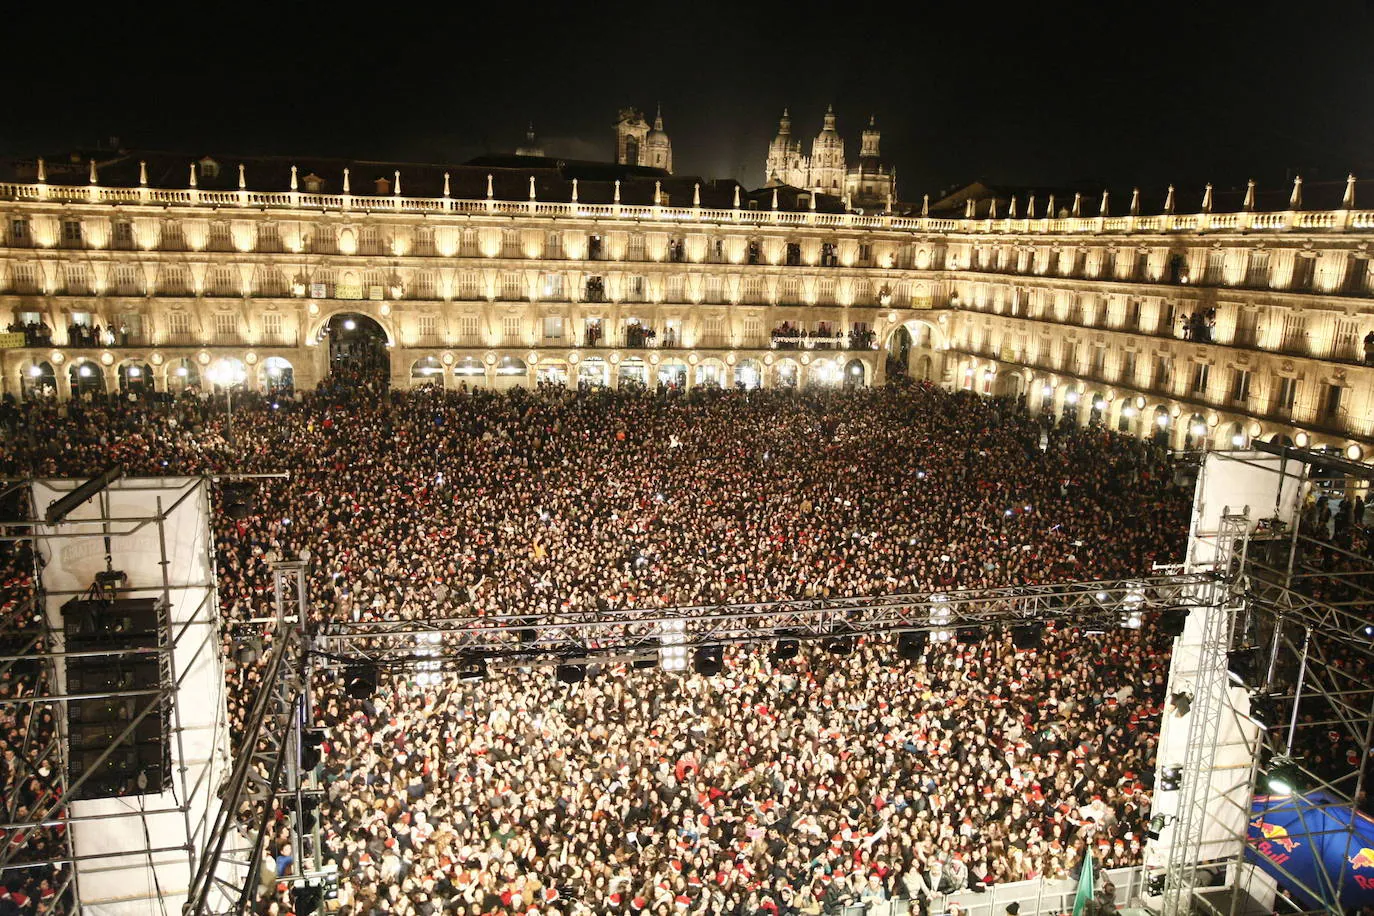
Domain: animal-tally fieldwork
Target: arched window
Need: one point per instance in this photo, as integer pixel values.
(631, 151)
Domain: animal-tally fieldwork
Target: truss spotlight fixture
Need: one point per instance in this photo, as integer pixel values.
(308, 816)
(238, 501)
(1132, 620)
(1157, 824)
(648, 657)
(785, 650)
(840, 645)
(969, 636)
(1264, 711)
(305, 900)
(360, 681)
(1028, 635)
(472, 668)
(708, 661)
(1182, 703)
(1170, 777)
(1283, 776)
(912, 645)
(311, 739)
(1242, 665)
(568, 673)
(1172, 620)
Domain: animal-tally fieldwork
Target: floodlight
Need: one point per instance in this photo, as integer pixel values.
(1242, 665)
(1028, 635)
(1264, 711)
(1170, 777)
(570, 674)
(360, 681)
(912, 645)
(1171, 621)
(708, 661)
(1284, 777)
(785, 649)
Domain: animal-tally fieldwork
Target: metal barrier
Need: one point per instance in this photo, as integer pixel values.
(1033, 898)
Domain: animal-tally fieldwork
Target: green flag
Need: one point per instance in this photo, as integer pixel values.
(1085, 886)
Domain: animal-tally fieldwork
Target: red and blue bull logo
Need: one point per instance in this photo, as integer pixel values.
(1277, 845)
(1361, 861)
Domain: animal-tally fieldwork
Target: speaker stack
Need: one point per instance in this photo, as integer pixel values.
(141, 763)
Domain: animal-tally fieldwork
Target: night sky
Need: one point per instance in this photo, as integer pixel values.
(1051, 95)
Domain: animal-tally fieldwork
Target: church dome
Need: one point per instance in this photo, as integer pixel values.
(656, 138)
(829, 136)
(531, 146)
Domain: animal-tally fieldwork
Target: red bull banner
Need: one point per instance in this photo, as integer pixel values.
(1318, 848)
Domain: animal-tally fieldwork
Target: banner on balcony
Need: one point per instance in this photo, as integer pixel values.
(11, 339)
(348, 291)
(923, 302)
(817, 340)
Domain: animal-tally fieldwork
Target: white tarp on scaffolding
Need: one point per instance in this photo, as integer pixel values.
(1233, 481)
(127, 876)
(1228, 484)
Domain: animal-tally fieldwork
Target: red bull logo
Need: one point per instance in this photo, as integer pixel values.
(1364, 859)
(1277, 845)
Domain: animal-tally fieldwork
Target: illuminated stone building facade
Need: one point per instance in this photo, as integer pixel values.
(192, 287)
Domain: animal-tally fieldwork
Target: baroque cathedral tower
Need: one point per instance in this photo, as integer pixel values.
(825, 171)
(636, 143)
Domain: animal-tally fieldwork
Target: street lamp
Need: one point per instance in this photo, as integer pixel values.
(227, 375)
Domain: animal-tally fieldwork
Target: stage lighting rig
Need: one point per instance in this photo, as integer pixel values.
(61, 508)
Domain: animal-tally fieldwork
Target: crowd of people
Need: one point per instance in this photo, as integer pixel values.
(776, 786)
(1198, 326)
(789, 336)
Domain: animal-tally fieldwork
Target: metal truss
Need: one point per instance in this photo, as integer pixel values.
(636, 633)
(30, 644)
(1315, 615)
(1306, 617)
(1209, 705)
(36, 644)
(265, 766)
(267, 771)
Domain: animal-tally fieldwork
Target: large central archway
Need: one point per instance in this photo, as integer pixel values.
(899, 352)
(357, 350)
(912, 348)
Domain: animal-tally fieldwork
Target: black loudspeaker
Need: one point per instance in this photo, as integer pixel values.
(125, 623)
(140, 763)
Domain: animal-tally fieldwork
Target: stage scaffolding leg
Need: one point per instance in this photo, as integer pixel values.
(1221, 601)
(267, 765)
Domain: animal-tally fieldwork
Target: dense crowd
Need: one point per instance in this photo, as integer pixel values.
(774, 787)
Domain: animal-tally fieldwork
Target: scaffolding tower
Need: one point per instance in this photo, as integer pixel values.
(132, 846)
(1219, 600)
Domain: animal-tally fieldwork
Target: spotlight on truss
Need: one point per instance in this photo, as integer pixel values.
(1172, 621)
(912, 645)
(708, 661)
(1028, 635)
